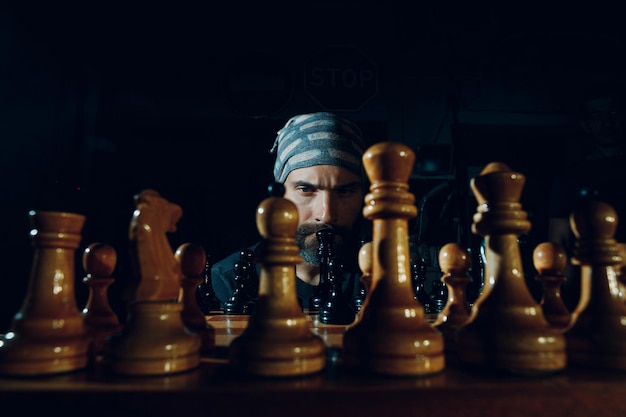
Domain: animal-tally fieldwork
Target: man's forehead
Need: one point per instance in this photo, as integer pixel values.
(323, 174)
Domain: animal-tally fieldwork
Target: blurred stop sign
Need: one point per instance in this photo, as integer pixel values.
(341, 78)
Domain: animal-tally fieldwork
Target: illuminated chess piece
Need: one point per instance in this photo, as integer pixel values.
(507, 330)
(154, 340)
(550, 261)
(621, 247)
(278, 341)
(598, 339)
(47, 334)
(192, 260)
(99, 260)
(391, 336)
(455, 263)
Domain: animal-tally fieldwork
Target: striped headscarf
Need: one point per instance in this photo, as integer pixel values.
(317, 139)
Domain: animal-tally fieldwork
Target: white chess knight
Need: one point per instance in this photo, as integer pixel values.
(154, 340)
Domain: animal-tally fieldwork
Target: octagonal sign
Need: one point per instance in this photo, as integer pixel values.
(341, 78)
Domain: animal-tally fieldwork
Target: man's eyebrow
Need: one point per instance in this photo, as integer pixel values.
(350, 184)
(310, 184)
(301, 182)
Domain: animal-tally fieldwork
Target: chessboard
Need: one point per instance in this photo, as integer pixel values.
(506, 354)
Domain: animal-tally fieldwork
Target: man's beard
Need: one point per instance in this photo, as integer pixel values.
(306, 240)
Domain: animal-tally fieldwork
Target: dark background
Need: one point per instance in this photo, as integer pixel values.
(99, 100)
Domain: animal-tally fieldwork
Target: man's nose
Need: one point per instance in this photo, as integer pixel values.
(325, 208)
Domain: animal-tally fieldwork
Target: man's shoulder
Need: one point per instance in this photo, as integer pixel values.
(227, 264)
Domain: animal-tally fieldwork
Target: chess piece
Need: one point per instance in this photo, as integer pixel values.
(621, 247)
(154, 340)
(337, 308)
(99, 260)
(192, 261)
(438, 296)
(325, 253)
(205, 295)
(365, 265)
(550, 261)
(47, 335)
(239, 302)
(507, 331)
(277, 340)
(250, 277)
(391, 336)
(598, 339)
(454, 262)
(418, 278)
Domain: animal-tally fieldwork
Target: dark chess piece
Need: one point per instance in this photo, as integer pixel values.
(438, 297)
(239, 302)
(206, 299)
(364, 253)
(251, 277)
(359, 297)
(365, 265)
(337, 307)
(418, 277)
(326, 252)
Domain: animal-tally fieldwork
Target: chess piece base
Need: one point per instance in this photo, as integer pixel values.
(531, 354)
(153, 342)
(20, 356)
(399, 351)
(275, 349)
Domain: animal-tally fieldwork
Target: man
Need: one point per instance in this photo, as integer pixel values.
(318, 161)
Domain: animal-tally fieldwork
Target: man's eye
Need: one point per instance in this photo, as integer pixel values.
(305, 189)
(346, 191)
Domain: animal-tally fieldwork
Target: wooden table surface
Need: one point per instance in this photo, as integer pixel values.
(214, 389)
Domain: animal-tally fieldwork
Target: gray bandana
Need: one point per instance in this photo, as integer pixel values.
(317, 139)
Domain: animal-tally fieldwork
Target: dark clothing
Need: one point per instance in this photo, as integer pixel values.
(223, 281)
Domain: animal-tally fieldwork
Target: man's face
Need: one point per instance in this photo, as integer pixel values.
(326, 196)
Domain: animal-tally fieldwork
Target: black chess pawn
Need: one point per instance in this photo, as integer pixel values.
(337, 307)
(205, 295)
(325, 252)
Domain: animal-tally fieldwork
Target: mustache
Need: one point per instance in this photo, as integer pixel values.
(312, 228)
